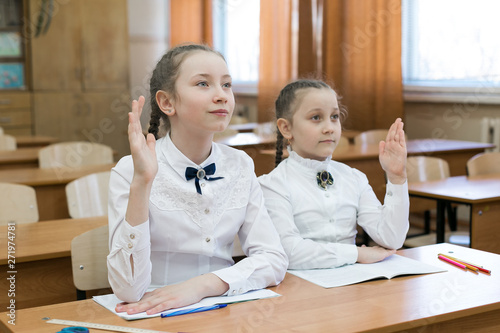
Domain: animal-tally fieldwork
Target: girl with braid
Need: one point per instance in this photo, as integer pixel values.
(177, 203)
(316, 203)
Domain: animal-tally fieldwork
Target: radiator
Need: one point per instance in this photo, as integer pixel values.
(490, 131)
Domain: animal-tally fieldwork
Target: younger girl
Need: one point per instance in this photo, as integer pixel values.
(176, 204)
(314, 202)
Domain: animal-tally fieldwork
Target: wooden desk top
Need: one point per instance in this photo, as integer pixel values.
(477, 189)
(20, 155)
(46, 239)
(246, 139)
(455, 298)
(37, 176)
(414, 147)
(34, 140)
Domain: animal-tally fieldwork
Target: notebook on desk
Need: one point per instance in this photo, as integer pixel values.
(390, 267)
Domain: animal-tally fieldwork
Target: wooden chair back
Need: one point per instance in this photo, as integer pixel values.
(17, 204)
(370, 137)
(88, 260)
(483, 164)
(74, 154)
(426, 168)
(7, 142)
(88, 196)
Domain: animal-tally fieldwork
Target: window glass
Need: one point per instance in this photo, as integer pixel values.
(236, 35)
(451, 43)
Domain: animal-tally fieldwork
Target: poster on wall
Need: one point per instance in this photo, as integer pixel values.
(11, 76)
(10, 44)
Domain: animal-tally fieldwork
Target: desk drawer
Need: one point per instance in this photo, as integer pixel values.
(16, 100)
(15, 118)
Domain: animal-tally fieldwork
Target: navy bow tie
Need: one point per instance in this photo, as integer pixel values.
(198, 174)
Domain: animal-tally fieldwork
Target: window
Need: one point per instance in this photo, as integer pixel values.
(451, 49)
(236, 35)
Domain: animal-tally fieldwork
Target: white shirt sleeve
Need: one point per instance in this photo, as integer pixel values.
(129, 264)
(386, 224)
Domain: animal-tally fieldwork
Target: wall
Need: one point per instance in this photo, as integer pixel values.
(455, 121)
(148, 30)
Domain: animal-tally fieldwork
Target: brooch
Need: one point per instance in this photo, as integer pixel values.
(324, 179)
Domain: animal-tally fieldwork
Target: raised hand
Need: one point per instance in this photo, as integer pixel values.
(142, 150)
(371, 254)
(392, 153)
(145, 166)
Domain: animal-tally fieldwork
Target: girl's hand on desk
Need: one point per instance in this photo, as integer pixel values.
(176, 295)
(392, 153)
(142, 150)
(369, 255)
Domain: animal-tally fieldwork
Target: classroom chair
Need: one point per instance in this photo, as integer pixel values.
(483, 164)
(422, 169)
(88, 196)
(17, 204)
(7, 142)
(373, 136)
(74, 154)
(88, 261)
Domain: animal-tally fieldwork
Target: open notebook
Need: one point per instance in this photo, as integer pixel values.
(390, 267)
(109, 302)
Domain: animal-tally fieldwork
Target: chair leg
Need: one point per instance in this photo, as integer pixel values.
(452, 216)
(81, 295)
(427, 222)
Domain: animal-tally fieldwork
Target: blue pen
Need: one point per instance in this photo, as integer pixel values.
(193, 310)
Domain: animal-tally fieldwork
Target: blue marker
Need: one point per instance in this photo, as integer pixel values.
(193, 310)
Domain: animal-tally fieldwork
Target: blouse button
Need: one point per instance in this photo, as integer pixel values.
(207, 239)
(202, 184)
(130, 245)
(132, 236)
(207, 210)
(389, 193)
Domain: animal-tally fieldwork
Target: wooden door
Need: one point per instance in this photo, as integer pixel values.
(105, 44)
(56, 55)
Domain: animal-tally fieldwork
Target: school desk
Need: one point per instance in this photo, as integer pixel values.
(365, 158)
(20, 158)
(24, 141)
(42, 254)
(449, 301)
(481, 193)
(50, 186)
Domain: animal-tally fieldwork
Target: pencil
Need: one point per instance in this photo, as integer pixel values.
(479, 268)
(466, 264)
(448, 260)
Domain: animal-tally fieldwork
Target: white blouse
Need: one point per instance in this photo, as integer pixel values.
(189, 234)
(318, 227)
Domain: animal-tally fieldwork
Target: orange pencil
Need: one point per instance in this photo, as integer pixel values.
(467, 265)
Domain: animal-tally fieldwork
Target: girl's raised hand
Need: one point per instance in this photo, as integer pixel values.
(142, 150)
(392, 153)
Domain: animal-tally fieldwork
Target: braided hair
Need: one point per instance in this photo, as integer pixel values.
(287, 102)
(164, 77)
